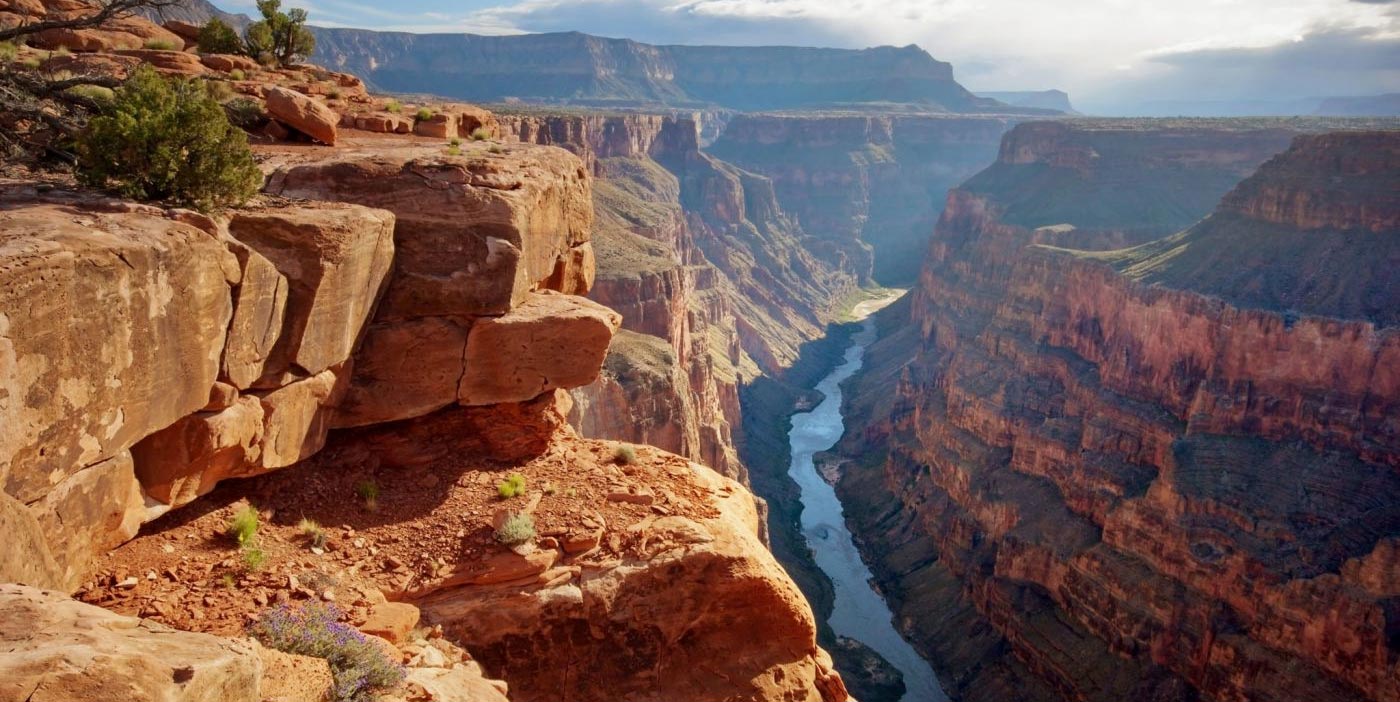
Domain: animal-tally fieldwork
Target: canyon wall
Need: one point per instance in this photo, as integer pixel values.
(597, 71)
(711, 277)
(867, 188)
(1080, 476)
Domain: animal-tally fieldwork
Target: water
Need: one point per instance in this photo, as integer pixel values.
(860, 613)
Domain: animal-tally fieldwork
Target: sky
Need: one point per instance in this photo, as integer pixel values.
(1108, 54)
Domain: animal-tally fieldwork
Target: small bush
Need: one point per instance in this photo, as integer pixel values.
(424, 114)
(549, 489)
(97, 94)
(454, 141)
(368, 491)
(160, 45)
(9, 51)
(333, 94)
(625, 456)
(517, 529)
(32, 63)
(454, 151)
(229, 582)
(497, 149)
(245, 113)
(480, 134)
(253, 558)
(359, 667)
(60, 52)
(216, 37)
(393, 106)
(220, 90)
(237, 74)
(164, 139)
(244, 526)
(514, 486)
(313, 532)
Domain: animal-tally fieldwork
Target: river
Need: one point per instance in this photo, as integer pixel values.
(859, 613)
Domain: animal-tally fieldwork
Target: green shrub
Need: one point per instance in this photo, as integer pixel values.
(253, 558)
(368, 491)
(9, 51)
(625, 455)
(359, 668)
(480, 134)
(245, 113)
(454, 151)
(168, 139)
(60, 52)
(279, 38)
(216, 37)
(516, 529)
(160, 45)
(237, 74)
(454, 141)
(393, 106)
(97, 94)
(497, 149)
(313, 532)
(424, 114)
(244, 526)
(32, 63)
(514, 486)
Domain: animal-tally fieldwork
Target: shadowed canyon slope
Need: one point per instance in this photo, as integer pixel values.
(1165, 472)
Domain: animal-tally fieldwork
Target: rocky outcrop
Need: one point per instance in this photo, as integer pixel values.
(474, 235)
(53, 649)
(867, 187)
(1133, 490)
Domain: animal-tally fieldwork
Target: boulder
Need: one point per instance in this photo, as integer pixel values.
(404, 369)
(473, 236)
(174, 62)
(109, 65)
(550, 341)
(384, 123)
(335, 259)
(392, 621)
(54, 649)
(230, 62)
(117, 34)
(188, 31)
(442, 125)
(302, 113)
(112, 324)
(455, 684)
(574, 272)
(288, 677)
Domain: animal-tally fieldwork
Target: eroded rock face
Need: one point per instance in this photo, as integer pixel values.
(473, 235)
(549, 341)
(59, 650)
(334, 262)
(1140, 490)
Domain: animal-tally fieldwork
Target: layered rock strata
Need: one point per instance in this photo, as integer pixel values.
(867, 188)
(1115, 484)
(691, 255)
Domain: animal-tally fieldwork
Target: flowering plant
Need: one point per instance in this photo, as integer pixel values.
(360, 667)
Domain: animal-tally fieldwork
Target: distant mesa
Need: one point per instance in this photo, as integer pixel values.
(1057, 100)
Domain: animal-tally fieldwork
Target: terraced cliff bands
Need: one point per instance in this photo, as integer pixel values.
(711, 276)
(867, 188)
(1127, 490)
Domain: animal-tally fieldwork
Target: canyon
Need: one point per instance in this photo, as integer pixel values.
(1130, 435)
(1166, 471)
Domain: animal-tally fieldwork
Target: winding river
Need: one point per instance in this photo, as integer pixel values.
(860, 613)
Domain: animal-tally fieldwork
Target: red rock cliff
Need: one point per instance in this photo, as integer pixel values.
(1138, 490)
